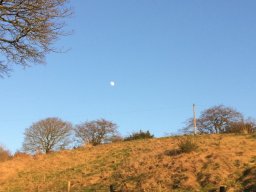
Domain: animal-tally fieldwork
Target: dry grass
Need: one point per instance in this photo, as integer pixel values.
(144, 165)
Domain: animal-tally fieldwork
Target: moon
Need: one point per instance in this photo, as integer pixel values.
(112, 83)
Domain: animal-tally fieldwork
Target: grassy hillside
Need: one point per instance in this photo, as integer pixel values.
(145, 165)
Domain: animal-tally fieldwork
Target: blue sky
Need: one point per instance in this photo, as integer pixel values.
(163, 55)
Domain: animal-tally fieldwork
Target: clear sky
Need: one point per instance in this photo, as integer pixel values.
(164, 55)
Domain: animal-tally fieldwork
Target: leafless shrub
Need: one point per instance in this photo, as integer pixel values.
(4, 154)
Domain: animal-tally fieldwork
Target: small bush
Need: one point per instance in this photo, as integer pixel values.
(139, 135)
(4, 154)
(243, 127)
(187, 145)
(254, 135)
(116, 139)
(19, 154)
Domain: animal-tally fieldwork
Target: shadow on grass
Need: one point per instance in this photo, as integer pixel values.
(248, 179)
(173, 152)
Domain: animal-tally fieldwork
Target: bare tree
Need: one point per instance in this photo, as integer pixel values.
(217, 119)
(47, 135)
(27, 30)
(96, 132)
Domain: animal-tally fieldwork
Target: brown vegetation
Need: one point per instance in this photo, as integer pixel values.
(141, 165)
(4, 154)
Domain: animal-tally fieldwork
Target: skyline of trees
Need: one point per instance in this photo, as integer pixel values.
(220, 119)
(53, 134)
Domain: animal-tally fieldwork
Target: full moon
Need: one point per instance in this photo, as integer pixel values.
(112, 83)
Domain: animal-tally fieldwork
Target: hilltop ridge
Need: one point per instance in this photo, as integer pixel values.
(141, 165)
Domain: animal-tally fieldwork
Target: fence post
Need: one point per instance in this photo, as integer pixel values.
(69, 184)
(222, 189)
(111, 188)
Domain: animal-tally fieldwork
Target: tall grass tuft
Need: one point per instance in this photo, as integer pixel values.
(187, 144)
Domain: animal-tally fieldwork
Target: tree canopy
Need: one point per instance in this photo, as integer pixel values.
(96, 132)
(28, 30)
(217, 119)
(47, 135)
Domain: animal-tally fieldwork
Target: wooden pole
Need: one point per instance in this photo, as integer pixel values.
(111, 188)
(194, 119)
(222, 189)
(69, 184)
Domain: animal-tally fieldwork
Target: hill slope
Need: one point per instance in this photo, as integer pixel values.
(146, 165)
